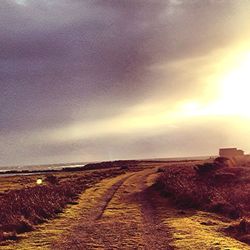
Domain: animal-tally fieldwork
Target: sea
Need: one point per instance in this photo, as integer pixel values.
(59, 166)
(38, 168)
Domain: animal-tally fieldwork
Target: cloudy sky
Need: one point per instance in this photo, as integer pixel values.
(85, 80)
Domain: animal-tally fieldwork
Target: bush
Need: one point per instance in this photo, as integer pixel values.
(205, 168)
(220, 190)
(240, 230)
(209, 167)
(52, 179)
(221, 161)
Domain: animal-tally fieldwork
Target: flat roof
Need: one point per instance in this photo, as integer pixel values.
(228, 148)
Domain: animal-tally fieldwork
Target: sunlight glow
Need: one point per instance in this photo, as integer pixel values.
(191, 108)
(235, 90)
(39, 181)
(227, 88)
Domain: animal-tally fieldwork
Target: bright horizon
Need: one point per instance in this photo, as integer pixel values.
(105, 80)
(65, 164)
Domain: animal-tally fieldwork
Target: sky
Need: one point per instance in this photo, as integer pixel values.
(122, 79)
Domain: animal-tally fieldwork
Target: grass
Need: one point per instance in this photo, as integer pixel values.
(213, 187)
(24, 204)
(21, 209)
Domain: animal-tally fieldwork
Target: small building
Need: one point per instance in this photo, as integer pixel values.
(230, 152)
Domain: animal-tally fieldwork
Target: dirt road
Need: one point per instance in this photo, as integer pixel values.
(121, 217)
(125, 212)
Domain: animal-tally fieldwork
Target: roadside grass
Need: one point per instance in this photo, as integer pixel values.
(211, 187)
(22, 209)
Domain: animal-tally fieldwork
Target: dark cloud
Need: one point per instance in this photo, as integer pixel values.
(63, 62)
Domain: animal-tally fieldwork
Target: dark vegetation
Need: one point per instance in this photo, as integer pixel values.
(240, 230)
(214, 187)
(105, 165)
(21, 210)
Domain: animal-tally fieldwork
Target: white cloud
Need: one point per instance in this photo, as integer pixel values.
(21, 2)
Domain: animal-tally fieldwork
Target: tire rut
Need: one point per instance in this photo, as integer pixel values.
(110, 194)
(91, 204)
(127, 220)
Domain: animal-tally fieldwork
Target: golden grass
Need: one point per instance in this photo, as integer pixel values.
(24, 204)
(222, 190)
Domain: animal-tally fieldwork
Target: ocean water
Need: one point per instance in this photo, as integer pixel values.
(49, 167)
(42, 167)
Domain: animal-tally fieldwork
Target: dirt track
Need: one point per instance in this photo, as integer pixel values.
(123, 218)
(126, 213)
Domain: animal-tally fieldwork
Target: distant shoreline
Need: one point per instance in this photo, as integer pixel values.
(69, 167)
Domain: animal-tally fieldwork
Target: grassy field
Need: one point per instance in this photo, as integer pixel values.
(213, 187)
(24, 203)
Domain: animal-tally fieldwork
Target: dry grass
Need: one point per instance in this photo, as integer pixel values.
(21, 209)
(209, 187)
(24, 204)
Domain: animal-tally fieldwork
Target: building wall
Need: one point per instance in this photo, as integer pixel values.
(230, 152)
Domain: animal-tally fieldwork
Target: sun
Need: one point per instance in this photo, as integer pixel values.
(235, 89)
